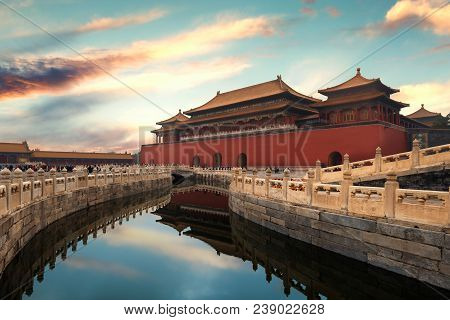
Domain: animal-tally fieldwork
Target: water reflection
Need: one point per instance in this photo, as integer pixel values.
(188, 248)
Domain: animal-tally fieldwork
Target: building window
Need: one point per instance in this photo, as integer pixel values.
(332, 118)
(217, 160)
(242, 161)
(196, 161)
(364, 114)
(334, 159)
(349, 115)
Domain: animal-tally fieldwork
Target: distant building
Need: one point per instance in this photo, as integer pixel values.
(57, 158)
(14, 153)
(19, 153)
(429, 118)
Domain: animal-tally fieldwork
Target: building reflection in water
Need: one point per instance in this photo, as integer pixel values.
(201, 213)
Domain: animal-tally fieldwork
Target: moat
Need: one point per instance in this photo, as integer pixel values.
(187, 245)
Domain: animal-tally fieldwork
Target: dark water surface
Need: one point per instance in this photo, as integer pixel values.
(191, 248)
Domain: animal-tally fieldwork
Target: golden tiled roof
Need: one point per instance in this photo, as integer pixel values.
(423, 113)
(14, 147)
(176, 118)
(357, 81)
(250, 111)
(262, 90)
(357, 98)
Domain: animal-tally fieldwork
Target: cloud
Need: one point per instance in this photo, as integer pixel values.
(103, 267)
(23, 77)
(184, 75)
(308, 11)
(163, 243)
(439, 48)
(434, 95)
(69, 123)
(406, 12)
(333, 11)
(107, 23)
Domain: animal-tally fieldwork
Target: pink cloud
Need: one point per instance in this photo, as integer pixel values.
(308, 11)
(114, 23)
(21, 77)
(333, 11)
(434, 16)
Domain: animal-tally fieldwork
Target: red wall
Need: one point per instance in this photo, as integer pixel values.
(202, 199)
(298, 148)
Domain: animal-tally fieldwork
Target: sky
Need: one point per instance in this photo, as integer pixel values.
(91, 75)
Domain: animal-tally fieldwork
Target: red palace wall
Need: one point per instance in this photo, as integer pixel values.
(296, 148)
(202, 199)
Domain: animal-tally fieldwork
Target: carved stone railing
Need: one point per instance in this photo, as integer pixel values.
(419, 206)
(18, 189)
(378, 166)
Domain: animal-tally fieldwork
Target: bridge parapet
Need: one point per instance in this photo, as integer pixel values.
(418, 206)
(414, 161)
(19, 189)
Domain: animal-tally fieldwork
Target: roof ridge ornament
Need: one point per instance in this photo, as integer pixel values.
(218, 92)
(279, 80)
(358, 71)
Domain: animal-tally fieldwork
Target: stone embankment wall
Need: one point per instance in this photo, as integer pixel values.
(413, 250)
(20, 225)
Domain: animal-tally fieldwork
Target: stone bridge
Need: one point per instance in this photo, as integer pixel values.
(31, 201)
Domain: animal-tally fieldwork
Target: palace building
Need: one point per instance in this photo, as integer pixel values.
(272, 125)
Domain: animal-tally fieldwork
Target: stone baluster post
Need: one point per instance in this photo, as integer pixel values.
(236, 174)
(267, 181)
(255, 175)
(346, 164)
(18, 178)
(415, 154)
(95, 176)
(318, 171)
(5, 179)
(105, 174)
(86, 175)
(75, 174)
(310, 186)
(244, 173)
(345, 189)
(30, 177)
(390, 190)
(64, 174)
(41, 178)
(286, 174)
(53, 177)
(378, 160)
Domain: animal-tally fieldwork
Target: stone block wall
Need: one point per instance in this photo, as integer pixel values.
(417, 251)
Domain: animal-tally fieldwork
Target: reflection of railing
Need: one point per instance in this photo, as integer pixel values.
(402, 162)
(421, 206)
(57, 240)
(18, 189)
(238, 132)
